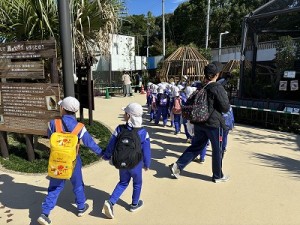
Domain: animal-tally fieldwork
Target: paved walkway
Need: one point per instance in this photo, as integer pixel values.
(264, 188)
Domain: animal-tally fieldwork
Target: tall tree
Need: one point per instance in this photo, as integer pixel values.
(142, 28)
(189, 21)
(93, 21)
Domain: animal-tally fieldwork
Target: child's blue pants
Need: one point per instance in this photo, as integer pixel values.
(177, 122)
(162, 111)
(125, 176)
(57, 185)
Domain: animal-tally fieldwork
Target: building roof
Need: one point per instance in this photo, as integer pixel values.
(276, 16)
(185, 63)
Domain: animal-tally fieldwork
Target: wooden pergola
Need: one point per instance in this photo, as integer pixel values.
(231, 65)
(185, 61)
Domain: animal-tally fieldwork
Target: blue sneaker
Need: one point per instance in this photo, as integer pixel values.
(81, 212)
(43, 220)
(134, 208)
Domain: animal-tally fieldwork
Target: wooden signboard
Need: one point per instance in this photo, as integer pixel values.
(28, 50)
(26, 69)
(28, 107)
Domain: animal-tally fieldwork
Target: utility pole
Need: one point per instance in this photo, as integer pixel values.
(207, 24)
(163, 28)
(148, 24)
(66, 47)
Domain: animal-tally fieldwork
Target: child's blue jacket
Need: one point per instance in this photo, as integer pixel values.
(71, 122)
(145, 142)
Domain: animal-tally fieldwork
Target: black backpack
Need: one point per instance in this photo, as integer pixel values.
(128, 151)
(163, 101)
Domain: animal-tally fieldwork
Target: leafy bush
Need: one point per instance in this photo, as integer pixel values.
(18, 157)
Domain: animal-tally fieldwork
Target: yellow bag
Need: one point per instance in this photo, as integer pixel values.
(63, 151)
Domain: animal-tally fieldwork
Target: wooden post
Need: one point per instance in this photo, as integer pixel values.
(29, 147)
(4, 144)
(54, 74)
(90, 93)
(81, 114)
(79, 91)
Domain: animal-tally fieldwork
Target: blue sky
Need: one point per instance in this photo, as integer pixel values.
(137, 7)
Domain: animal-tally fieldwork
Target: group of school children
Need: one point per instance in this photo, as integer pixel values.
(164, 101)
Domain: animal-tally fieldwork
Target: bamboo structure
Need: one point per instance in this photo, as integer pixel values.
(185, 61)
(231, 65)
(234, 65)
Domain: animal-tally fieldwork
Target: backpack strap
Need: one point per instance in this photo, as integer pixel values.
(58, 125)
(124, 126)
(77, 129)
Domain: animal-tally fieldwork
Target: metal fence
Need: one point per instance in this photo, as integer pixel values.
(268, 114)
(102, 89)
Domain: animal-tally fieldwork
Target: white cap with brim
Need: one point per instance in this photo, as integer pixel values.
(70, 104)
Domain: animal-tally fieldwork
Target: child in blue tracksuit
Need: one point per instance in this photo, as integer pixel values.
(176, 109)
(133, 118)
(184, 96)
(68, 107)
(162, 103)
(229, 121)
(152, 104)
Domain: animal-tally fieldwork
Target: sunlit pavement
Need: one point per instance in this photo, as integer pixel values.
(264, 185)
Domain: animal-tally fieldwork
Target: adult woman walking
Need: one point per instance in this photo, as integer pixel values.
(211, 129)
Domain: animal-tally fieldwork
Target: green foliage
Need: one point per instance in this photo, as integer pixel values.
(93, 21)
(206, 53)
(18, 158)
(285, 54)
(235, 76)
(188, 24)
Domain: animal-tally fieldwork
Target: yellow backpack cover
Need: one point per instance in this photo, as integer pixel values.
(63, 151)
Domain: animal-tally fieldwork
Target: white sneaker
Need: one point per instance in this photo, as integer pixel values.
(108, 209)
(44, 220)
(175, 171)
(223, 179)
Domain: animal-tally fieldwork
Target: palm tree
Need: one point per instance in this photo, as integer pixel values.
(92, 22)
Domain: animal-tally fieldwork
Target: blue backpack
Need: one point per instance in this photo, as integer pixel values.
(229, 119)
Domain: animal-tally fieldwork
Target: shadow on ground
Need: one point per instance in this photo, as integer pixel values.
(24, 196)
(280, 162)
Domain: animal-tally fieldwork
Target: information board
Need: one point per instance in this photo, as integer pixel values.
(28, 49)
(28, 107)
(26, 69)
